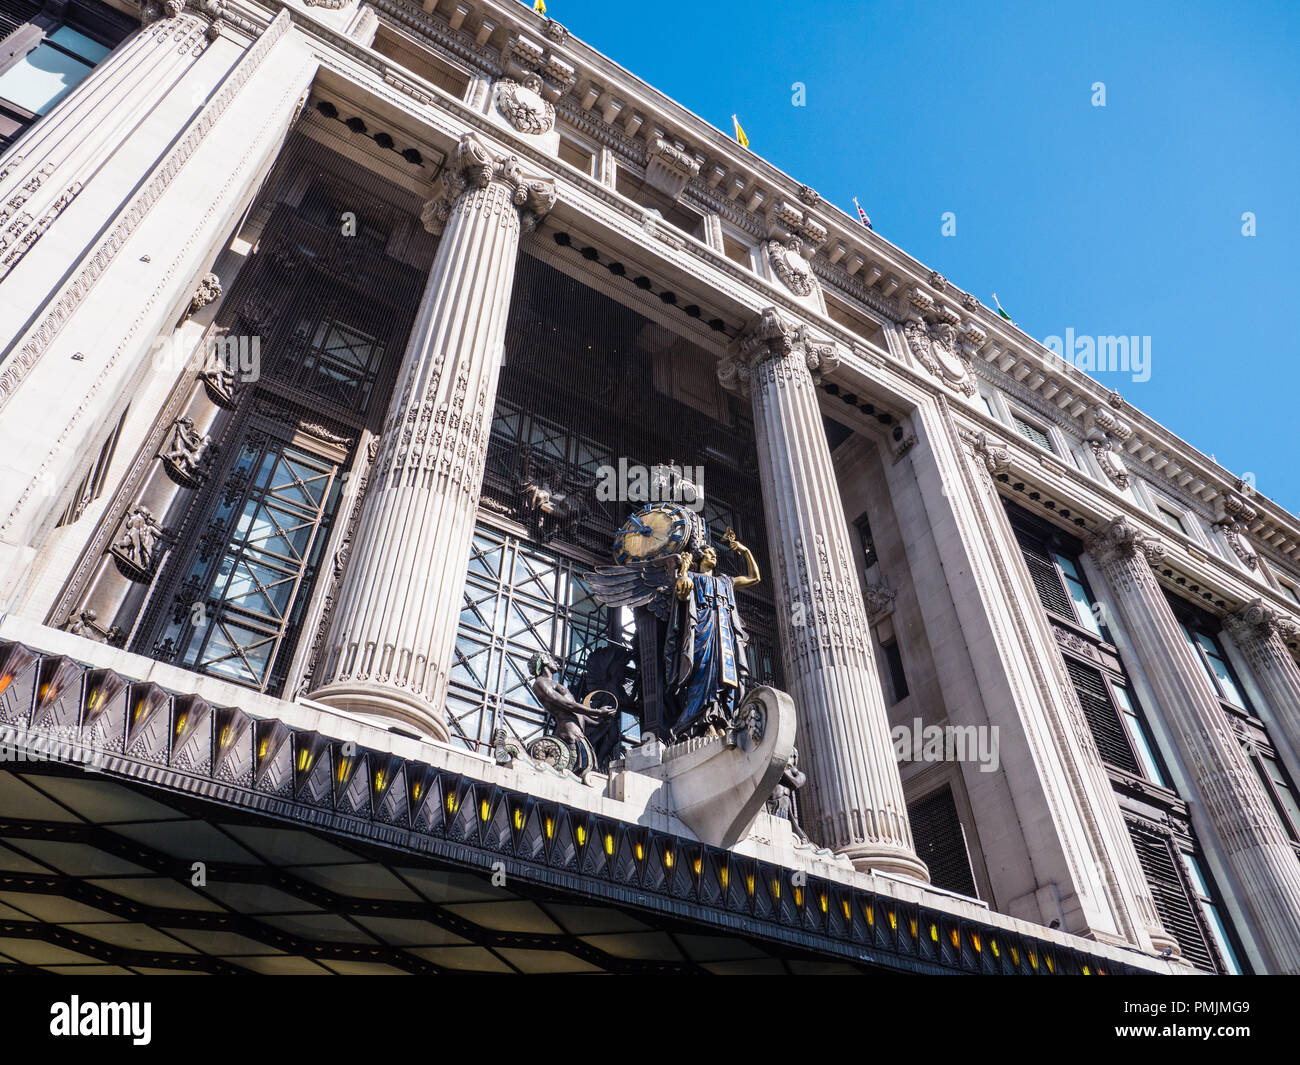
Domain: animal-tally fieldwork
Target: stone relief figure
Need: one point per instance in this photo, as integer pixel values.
(219, 380)
(790, 265)
(705, 639)
(781, 804)
(138, 548)
(188, 455)
(554, 500)
(570, 717)
(86, 623)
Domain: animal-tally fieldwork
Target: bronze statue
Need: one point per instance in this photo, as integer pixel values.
(571, 718)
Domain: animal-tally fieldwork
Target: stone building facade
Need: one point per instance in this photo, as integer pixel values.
(321, 323)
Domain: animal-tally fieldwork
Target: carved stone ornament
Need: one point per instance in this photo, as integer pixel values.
(152, 11)
(773, 337)
(1233, 517)
(1120, 537)
(996, 457)
(791, 267)
(86, 623)
(473, 166)
(188, 455)
(879, 600)
(1259, 620)
(219, 379)
(209, 291)
(1105, 433)
(669, 166)
(140, 545)
(934, 339)
(524, 106)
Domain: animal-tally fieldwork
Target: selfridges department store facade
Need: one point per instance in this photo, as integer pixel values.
(334, 337)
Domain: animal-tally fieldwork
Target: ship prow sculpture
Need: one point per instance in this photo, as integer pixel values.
(727, 751)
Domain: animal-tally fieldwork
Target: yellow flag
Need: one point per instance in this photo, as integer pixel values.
(539, 6)
(741, 139)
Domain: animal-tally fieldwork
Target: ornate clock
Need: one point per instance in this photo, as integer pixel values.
(658, 530)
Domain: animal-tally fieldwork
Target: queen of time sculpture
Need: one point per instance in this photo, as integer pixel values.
(689, 627)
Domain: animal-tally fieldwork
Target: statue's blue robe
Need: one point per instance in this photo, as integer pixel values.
(705, 646)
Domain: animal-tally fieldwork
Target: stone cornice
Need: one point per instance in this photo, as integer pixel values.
(624, 113)
(1096, 503)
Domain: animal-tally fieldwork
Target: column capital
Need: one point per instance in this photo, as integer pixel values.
(1257, 620)
(772, 337)
(474, 166)
(152, 11)
(1120, 539)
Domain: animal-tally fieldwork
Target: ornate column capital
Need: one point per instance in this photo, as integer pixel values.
(773, 338)
(152, 11)
(1119, 539)
(472, 167)
(1258, 621)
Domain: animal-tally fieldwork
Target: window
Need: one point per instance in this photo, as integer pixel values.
(1216, 666)
(674, 212)
(1137, 735)
(1174, 897)
(1290, 590)
(51, 70)
(1085, 610)
(1108, 729)
(412, 55)
(1210, 911)
(93, 483)
(1171, 518)
(990, 405)
(852, 320)
(869, 558)
(1278, 786)
(1034, 433)
(737, 252)
(897, 678)
(941, 842)
(43, 62)
(577, 156)
(239, 611)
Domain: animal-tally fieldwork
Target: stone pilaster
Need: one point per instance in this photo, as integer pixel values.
(854, 799)
(1261, 633)
(392, 641)
(1227, 790)
(49, 165)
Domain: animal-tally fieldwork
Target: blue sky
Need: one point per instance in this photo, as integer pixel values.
(1122, 220)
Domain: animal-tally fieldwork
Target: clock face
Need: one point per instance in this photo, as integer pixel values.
(658, 530)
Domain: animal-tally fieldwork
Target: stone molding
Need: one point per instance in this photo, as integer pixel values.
(474, 166)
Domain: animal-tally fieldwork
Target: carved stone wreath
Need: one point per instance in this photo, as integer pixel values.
(524, 106)
(938, 345)
(791, 267)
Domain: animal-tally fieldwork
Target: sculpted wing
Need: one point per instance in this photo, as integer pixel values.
(645, 583)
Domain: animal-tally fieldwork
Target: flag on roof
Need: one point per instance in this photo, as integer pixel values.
(539, 6)
(861, 213)
(741, 139)
(1001, 312)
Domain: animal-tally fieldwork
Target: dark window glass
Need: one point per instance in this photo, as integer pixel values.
(897, 678)
(941, 842)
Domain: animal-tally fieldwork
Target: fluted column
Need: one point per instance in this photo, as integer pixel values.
(1228, 791)
(47, 167)
(854, 798)
(392, 641)
(1261, 632)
